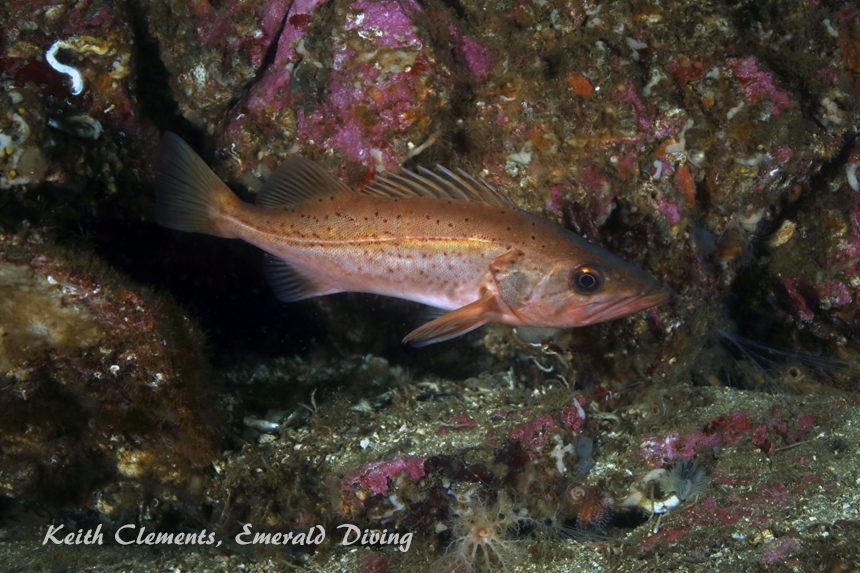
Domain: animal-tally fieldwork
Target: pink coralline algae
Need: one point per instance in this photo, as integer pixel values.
(374, 476)
(386, 20)
(463, 422)
(272, 92)
(531, 434)
(628, 94)
(759, 509)
(216, 24)
(459, 423)
(836, 293)
(722, 431)
(573, 415)
(380, 94)
(374, 563)
(600, 192)
(297, 21)
(757, 84)
(669, 209)
(802, 295)
(848, 252)
(781, 154)
(784, 549)
(474, 56)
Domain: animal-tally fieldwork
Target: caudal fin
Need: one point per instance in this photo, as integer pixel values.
(188, 195)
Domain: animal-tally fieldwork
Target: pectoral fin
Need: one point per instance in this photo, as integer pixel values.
(454, 323)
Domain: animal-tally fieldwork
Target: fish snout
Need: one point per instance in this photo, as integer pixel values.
(609, 310)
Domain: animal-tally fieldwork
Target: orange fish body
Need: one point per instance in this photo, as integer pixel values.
(444, 240)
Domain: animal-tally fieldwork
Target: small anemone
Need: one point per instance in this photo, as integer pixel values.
(483, 536)
(686, 480)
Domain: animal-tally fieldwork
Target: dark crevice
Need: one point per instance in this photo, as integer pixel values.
(747, 304)
(818, 183)
(272, 50)
(152, 84)
(457, 7)
(220, 283)
(265, 64)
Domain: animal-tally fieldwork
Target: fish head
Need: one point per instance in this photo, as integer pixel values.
(607, 289)
(585, 286)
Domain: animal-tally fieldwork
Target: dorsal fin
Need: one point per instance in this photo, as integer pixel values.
(441, 184)
(297, 180)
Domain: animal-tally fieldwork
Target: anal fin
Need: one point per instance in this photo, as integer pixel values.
(454, 323)
(288, 283)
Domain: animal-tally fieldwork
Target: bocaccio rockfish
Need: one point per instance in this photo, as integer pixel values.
(446, 240)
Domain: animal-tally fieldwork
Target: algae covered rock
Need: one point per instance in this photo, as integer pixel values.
(105, 395)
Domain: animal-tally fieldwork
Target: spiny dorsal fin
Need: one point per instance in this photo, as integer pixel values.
(297, 180)
(441, 184)
(288, 283)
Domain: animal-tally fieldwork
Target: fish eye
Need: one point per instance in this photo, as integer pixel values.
(586, 279)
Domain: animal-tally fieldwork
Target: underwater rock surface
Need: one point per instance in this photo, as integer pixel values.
(105, 395)
(712, 144)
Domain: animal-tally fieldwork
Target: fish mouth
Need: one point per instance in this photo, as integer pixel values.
(629, 305)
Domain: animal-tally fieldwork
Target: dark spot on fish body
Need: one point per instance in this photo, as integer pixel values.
(533, 237)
